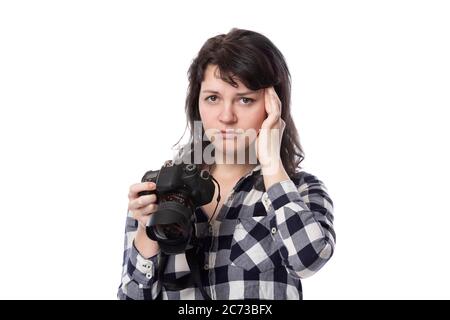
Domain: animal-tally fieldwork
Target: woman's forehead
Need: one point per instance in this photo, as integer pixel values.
(213, 82)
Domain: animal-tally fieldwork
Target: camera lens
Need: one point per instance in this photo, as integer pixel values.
(171, 231)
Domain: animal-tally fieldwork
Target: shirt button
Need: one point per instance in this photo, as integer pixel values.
(206, 267)
(266, 200)
(146, 266)
(148, 275)
(273, 230)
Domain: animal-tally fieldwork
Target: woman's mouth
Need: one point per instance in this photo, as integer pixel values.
(228, 134)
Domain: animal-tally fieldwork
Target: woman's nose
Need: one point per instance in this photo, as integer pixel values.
(227, 115)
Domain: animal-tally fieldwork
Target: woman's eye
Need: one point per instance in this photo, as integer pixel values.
(247, 100)
(211, 98)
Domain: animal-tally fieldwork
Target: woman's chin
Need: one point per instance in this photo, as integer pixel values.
(231, 149)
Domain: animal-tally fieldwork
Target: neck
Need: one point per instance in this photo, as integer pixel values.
(230, 171)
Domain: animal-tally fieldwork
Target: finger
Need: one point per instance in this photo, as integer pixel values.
(276, 102)
(282, 125)
(267, 104)
(138, 187)
(271, 121)
(273, 113)
(272, 102)
(139, 213)
(142, 201)
(151, 208)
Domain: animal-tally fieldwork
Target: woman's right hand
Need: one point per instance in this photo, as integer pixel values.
(142, 206)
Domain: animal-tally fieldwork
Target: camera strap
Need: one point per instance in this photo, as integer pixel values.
(192, 260)
(191, 279)
(171, 284)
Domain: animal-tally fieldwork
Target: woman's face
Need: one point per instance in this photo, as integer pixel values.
(226, 108)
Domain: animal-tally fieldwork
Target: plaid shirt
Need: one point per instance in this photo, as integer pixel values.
(260, 245)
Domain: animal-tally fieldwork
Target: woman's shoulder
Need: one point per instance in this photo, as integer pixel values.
(302, 177)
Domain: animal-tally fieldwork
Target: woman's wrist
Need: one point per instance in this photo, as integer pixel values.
(146, 246)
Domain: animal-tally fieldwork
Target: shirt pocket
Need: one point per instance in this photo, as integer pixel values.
(252, 245)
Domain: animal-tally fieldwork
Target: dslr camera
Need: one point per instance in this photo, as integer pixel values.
(180, 189)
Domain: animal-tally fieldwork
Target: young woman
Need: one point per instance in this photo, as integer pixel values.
(273, 224)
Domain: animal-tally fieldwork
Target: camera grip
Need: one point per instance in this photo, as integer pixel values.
(147, 192)
(149, 176)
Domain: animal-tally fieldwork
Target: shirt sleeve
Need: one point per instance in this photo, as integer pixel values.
(138, 273)
(302, 223)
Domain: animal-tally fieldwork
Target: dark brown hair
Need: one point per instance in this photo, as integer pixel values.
(254, 60)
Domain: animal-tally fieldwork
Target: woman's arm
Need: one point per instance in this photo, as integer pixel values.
(139, 281)
(303, 221)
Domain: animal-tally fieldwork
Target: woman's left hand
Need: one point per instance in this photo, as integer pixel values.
(268, 142)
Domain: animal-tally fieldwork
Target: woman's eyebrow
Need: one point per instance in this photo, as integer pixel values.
(238, 94)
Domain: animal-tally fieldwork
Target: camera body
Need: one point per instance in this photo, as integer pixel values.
(180, 189)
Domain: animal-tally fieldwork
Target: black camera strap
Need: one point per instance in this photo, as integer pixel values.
(171, 284)
(191, 279)
(192, 260)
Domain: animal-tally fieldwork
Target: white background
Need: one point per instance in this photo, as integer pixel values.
(92, 96)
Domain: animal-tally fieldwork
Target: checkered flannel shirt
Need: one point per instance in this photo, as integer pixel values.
(260, 245)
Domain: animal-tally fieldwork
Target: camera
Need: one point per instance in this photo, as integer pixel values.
(180, 189)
